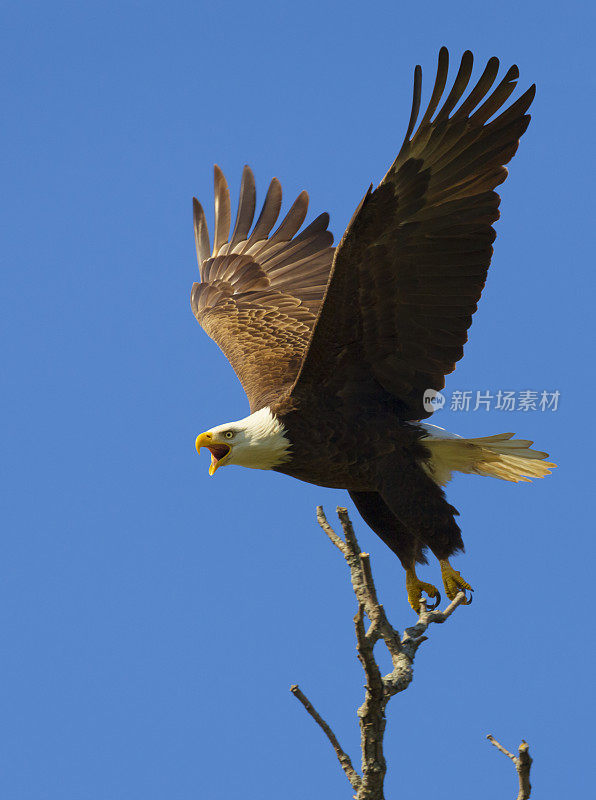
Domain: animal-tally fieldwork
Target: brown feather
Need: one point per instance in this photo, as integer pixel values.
(259, 297)
(223, 213)
(201, 233)
(246, 208)
(410, 269)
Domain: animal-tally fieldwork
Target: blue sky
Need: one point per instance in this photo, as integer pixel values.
(153, 618)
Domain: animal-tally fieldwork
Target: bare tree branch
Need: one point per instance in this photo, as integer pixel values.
(335, 539)
(379, 689)
(523, 763)
(342, 756)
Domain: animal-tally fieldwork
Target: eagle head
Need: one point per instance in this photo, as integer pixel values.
(258, 441)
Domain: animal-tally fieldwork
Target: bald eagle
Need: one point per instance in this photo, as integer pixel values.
(336, 347)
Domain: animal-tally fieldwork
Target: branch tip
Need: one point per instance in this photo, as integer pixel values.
(342, 756)
(522, 762)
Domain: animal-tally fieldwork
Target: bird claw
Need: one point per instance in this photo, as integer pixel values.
(416, 587)
(467, 602)
(436, 603)
(454, 583)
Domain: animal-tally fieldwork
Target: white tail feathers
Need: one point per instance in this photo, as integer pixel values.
(498, 456)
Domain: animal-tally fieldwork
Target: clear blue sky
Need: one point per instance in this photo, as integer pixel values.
(152, 618)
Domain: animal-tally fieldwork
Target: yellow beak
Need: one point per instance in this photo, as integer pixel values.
(203, 439)
(215, 448)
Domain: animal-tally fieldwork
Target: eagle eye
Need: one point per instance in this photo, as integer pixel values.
(229, 434)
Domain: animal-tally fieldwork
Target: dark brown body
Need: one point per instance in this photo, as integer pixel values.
(378, 459)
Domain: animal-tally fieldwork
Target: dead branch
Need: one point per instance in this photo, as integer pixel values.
(523, 763)
(342, 757)
(379, 689)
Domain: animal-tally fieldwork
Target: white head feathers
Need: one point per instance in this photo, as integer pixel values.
(258, 441)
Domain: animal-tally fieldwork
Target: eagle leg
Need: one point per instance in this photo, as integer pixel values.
(453, 581)
(415, 587)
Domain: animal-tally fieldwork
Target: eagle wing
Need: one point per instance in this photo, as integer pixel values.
(259, 295)
(410, 269)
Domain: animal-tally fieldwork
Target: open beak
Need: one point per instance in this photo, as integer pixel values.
(218, 450)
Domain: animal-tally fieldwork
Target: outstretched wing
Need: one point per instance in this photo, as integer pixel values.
(412, 264)
(259, 295)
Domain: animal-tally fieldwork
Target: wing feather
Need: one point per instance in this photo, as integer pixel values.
(438, 88)
(269, 214)
(259, 297)
(246, 208)
(223, 214)
(292, 221)
(460, 85)
(201, 233)
(410, 269)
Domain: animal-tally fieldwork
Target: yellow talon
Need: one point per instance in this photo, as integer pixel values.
(415, 587)
(453, 581)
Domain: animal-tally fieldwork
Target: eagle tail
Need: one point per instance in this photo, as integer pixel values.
(499, 456)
